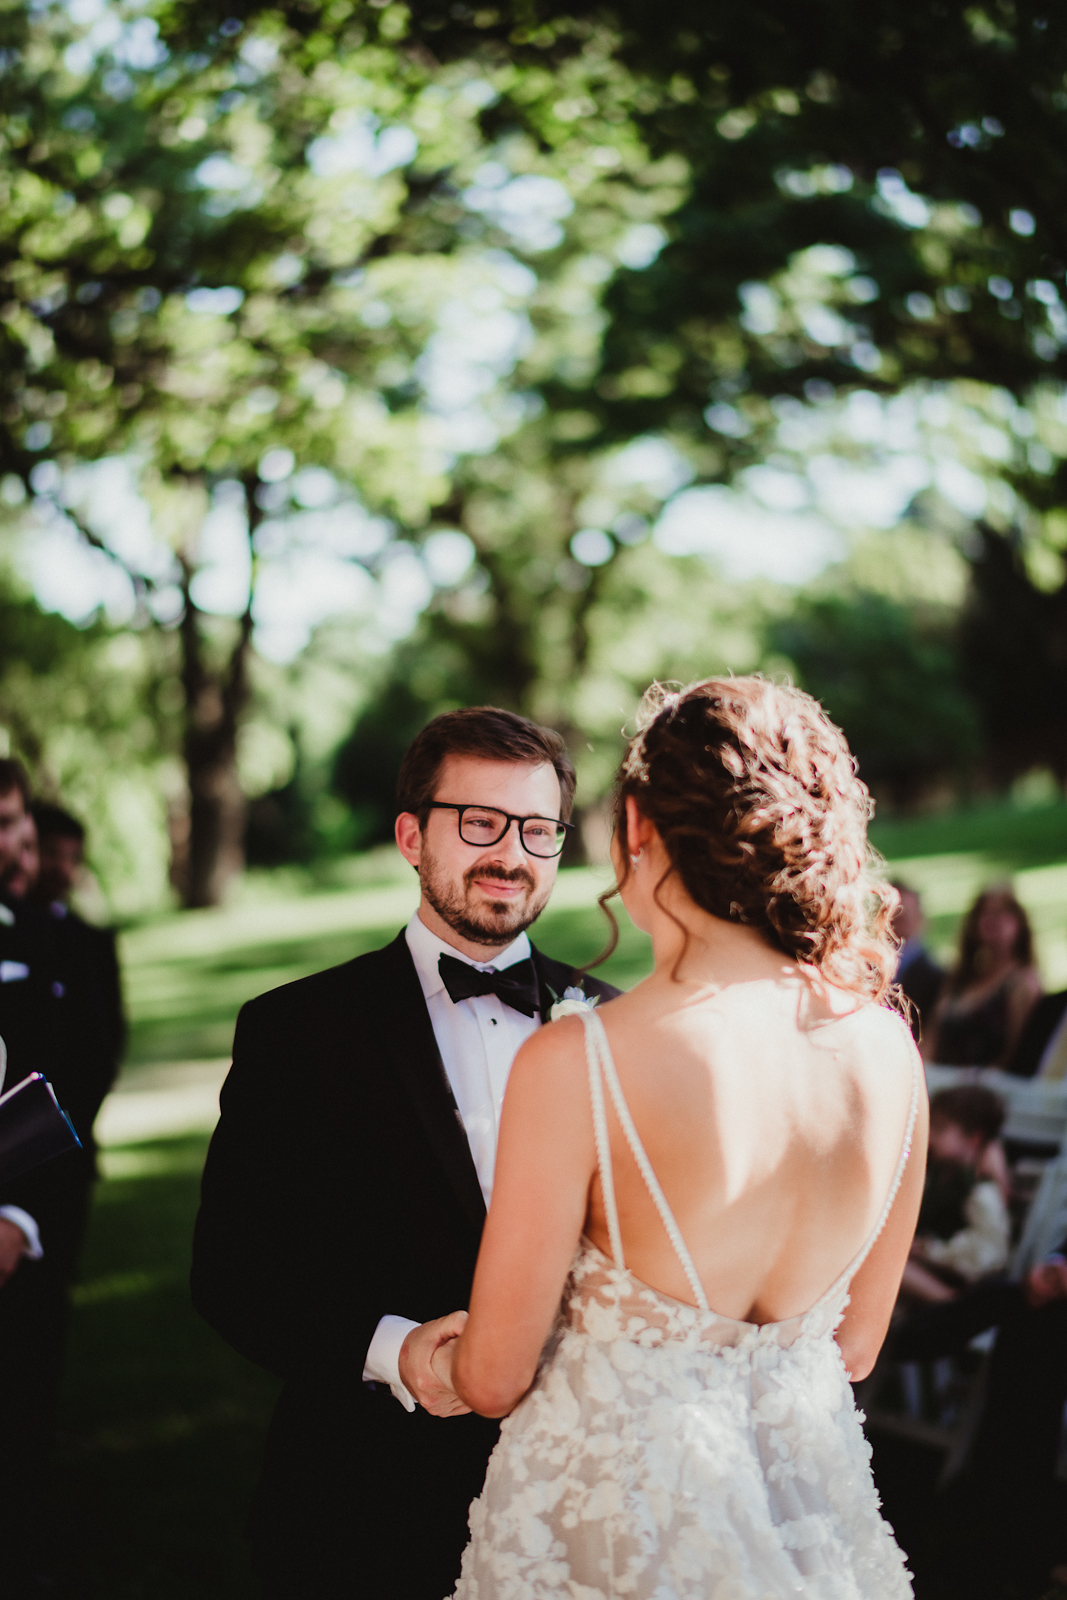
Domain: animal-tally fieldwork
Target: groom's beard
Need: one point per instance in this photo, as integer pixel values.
(491, 922)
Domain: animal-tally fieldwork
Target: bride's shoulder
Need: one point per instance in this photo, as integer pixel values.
(832, 1003)
(877, 1044)
(558, 1045)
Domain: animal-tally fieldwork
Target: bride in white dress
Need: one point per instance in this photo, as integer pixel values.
(744, 1130)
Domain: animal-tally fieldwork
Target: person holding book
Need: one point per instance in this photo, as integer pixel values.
(19, 1234)
(347, 1182)
(54, 1017)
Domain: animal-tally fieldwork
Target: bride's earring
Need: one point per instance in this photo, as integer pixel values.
(635, 859)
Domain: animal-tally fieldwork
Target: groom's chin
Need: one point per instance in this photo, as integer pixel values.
(500, 922)
(495, 921)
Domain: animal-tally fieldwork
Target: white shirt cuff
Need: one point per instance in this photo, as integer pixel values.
(383, 1358)
(23, 1220)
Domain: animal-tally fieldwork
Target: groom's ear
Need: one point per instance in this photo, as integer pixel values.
(408, 833)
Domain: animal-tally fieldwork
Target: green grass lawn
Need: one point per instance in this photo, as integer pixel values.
(187, 976)
(162, 1425)
(949, 858)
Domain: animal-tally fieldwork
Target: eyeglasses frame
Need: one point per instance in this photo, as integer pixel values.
(451, 805)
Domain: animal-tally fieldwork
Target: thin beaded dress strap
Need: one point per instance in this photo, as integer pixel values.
(603, 1145)
(850, 1271)
(595, 1028)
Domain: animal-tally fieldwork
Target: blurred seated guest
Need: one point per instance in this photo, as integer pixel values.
(918, 974)
(1042, 1048)
(964, 1230)
(1001, 1523)
(991, 991)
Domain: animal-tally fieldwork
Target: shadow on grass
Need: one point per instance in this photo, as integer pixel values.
(162, 1425)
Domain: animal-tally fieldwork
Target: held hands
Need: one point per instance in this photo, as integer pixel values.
(426, 1365)
(13, 1243)
(441, 1361)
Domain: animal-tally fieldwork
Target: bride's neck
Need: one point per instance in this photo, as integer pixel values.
(690, 945)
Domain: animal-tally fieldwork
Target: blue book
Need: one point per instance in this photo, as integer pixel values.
(33, 1127)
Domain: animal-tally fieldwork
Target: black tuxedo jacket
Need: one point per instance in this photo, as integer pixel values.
(60, 1014)
(339, 1187)
(1040, 1025)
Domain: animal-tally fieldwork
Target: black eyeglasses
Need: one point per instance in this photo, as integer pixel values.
(485, 825)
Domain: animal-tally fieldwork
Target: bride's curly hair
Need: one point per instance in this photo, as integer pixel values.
(754, 792)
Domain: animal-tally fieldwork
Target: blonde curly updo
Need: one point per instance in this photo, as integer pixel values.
(754, 793)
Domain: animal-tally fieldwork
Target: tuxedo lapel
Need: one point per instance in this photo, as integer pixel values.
(552, 978)
(412, 1050)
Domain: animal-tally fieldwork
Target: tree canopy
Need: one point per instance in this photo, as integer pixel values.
(454, 301)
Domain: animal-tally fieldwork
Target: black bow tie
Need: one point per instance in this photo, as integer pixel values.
(516, 986)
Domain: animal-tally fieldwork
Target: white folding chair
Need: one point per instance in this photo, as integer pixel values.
(1036, 1114)
(1036, 1110)
(1046, 1223)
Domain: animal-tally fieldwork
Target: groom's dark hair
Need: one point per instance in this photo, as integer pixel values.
(483, 731)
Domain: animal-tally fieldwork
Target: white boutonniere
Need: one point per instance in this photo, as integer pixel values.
(574, 1002)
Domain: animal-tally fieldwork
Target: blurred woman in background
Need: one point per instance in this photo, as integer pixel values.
(993, 988)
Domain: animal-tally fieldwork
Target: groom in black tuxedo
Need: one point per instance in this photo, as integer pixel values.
(347, 1181)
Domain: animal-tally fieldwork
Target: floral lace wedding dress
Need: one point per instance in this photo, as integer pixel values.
(668, 1453)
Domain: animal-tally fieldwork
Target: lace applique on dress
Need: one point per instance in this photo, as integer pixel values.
(669, 1453)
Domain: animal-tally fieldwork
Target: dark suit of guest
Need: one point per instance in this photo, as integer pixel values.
(60, 1014)
(1040, 1025)
(1001, 1524)
(340, 1188)
(921, 979)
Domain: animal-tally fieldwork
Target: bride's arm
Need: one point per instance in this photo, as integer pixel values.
(545, 1162)
(874, 1289)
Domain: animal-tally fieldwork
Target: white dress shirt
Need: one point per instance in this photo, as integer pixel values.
(478, 1039)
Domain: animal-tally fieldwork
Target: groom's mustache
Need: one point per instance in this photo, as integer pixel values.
(515, 875)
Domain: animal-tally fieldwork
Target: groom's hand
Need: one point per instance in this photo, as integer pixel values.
(416, 1372)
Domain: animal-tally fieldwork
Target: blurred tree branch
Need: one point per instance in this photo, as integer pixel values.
(234, 241)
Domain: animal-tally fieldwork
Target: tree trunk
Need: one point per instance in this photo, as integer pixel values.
(1014, 651)
(588, 844)
(215, 700)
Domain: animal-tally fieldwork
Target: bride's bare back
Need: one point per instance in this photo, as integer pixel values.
(772, 1108)
(773, 1112)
